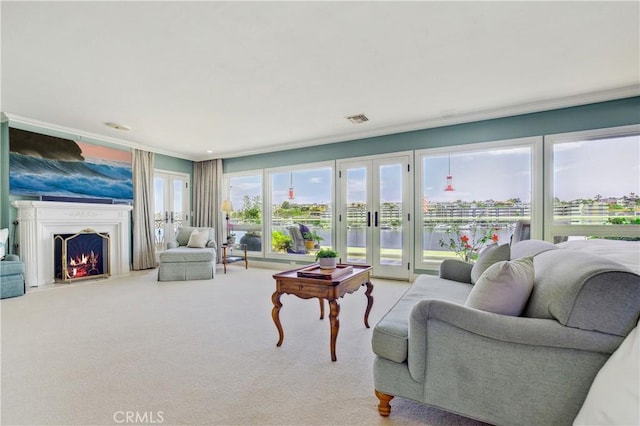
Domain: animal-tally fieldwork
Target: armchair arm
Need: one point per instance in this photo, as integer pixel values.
(11, 257)
(456, 270)
(501, 328)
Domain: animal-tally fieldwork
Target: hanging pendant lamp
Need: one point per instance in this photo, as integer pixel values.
(449, 179)
(292, 194)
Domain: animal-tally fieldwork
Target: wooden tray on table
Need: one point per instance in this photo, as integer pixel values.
(314, 271)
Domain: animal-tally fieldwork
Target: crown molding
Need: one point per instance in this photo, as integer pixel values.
(81, 135)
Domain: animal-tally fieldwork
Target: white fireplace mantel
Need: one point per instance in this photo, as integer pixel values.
(38, 221)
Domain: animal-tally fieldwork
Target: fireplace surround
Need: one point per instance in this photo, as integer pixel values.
(39, 221)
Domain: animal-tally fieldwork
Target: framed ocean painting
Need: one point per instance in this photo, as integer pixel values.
(57, 168)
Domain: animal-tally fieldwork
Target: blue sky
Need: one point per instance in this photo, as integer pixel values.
(583, 169)
(610, 168)
(500, 174)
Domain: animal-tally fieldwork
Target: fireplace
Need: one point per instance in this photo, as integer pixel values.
(39, 221)
(80, 256)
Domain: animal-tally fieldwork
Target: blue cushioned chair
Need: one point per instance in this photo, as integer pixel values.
(11, 270)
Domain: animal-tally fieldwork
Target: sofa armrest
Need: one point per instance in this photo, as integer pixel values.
(536, 332)
(456, 270)
(212, 244)
(11, 258)
(172, 244)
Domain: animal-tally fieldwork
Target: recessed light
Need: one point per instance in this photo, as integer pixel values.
(209, 151)
(118, 126)
(357, 119)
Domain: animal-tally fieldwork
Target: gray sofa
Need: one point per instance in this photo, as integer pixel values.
(180, 262)
(531, 369)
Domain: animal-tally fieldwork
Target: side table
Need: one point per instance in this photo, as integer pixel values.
(229, 257)
(289, 282)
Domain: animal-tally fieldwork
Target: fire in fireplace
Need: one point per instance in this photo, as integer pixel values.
(82, 255)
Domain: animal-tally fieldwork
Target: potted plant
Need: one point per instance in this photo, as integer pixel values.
(328, 258)
(312, 239)
(280, 242)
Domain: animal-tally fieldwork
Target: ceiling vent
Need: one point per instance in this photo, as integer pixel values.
(357, 119)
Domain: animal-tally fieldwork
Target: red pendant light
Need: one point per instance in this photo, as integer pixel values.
(292, 194)
(449, 179)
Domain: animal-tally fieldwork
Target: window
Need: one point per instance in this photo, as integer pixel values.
(594, 184)
(473, 195)
(245, 221)
(300, 196)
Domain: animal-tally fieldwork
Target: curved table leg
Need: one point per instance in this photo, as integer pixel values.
(334, 312)
(369, 303)
(275, 314)
(321, 308)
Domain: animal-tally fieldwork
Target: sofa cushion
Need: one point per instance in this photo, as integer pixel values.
(187, 254)
(198, 239)
(503, 288)
(184, 233)
(490, 255)
(4, 235)
(584, 291)
(528, 248)
(390, 335)
(456, 270)
(8, 267)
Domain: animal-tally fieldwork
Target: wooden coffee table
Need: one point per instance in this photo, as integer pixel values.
(329, 288)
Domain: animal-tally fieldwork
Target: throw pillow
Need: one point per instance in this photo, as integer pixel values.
(614, 395)
(304, 229)
(183, 235)
(490, 255)
(198, 239)
(4, 234)
(504, 287)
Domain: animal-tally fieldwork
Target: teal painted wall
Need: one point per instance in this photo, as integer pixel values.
(172, 164)
(593, 116)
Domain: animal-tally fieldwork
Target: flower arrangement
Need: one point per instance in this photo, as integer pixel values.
(468, 246)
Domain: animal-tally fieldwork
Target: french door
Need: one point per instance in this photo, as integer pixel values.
(374, 213)
(172, 200)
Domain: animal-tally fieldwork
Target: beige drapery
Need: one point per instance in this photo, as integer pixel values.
(207, 185)
(143, 204)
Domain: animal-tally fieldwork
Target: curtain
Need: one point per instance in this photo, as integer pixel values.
(207, 185)
(144, 256)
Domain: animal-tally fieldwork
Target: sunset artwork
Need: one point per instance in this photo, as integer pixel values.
(41, 165)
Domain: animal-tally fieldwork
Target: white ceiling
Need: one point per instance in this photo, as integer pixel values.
(237, 78)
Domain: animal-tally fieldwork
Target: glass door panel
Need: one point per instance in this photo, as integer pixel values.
(171, 194)
(372, 227)
(390, 232)
(160, 213)
(178, 211)
(358, 215)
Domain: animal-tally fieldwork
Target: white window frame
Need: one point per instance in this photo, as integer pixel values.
(536, 144)
(267, 218)
(227, 182)
(551, 230)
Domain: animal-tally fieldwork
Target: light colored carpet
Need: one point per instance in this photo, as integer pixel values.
(194, 352)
